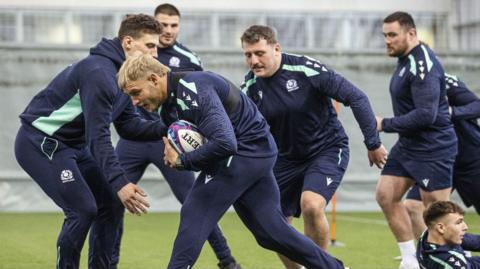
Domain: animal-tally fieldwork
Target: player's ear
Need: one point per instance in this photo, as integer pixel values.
(412, 32)
(127, 42)
(277, 47)
(153, 77)
(440, 227)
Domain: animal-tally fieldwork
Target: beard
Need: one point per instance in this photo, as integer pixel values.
(398, 52)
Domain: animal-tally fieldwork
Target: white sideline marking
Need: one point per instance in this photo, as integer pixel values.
(362, 220)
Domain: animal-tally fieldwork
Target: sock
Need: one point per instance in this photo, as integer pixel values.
(407, 250)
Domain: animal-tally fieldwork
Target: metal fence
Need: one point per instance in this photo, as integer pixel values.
(339, 31)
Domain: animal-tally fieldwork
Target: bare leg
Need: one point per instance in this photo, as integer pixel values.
(415, 210)
(438, 195)
(390, 190)
(315, 223)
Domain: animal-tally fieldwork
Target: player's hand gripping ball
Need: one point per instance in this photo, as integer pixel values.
(184, 136)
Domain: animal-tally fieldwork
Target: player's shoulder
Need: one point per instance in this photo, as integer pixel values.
(249, 82)
(444, 259)
(302, 64)
(187, 93)
(456, 259)
(421, 61)
(183, 51)
(452, 82)
(179, 45)
(202, 78)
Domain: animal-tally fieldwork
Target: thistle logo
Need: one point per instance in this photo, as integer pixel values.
(174, 61)
(66, 176)
(292, 85)
(425, 181)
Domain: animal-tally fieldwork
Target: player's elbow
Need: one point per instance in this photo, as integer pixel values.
(231, 147)
(426, 117)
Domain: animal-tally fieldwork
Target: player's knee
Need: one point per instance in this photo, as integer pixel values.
(86, 214)
(383, 198)
(414, 207)
(313, 209)
(265, 242)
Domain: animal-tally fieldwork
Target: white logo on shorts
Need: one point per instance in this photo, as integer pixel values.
(66, 176)
(425, 181)
(329, 181)
(208, 178)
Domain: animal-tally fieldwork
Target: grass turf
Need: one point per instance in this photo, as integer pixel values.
(27, 240)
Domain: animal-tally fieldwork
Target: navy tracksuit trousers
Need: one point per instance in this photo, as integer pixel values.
(248, 184)
(135, 157)
(74, 181)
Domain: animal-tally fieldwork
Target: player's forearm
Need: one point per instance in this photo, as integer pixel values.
(141, 129)
(208, 154)
(469, 111)
(366, 119)
(471, 242)
(414, 120)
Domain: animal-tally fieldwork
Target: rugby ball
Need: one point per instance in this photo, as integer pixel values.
(184, 136)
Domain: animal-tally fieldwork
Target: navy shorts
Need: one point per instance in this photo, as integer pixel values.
(466, 180)
(428, 175)
(414, 193)
(322, 174)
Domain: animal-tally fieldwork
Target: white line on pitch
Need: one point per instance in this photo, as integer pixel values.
(362, 220)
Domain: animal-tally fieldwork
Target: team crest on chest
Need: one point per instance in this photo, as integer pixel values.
(66, 176)
(174, 61)
(292, 85)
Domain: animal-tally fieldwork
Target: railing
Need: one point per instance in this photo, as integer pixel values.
(341, 31)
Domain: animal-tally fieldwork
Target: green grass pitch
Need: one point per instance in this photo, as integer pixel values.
(27, 240)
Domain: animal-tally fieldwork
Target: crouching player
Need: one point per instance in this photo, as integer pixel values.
(442, 245)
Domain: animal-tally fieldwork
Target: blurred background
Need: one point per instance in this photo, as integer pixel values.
(38, 38)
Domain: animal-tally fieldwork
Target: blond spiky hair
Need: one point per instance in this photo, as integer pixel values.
(139, 67)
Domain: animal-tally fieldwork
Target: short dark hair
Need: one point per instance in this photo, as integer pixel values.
(439, 209)
(256, 32)
(403, 18)
(136, 25)
(167, 9)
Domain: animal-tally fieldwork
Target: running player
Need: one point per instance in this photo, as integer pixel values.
(135, 156)
(465, 113)
(427, 145)
(64, 143)
(294, 95)
(236, 161)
